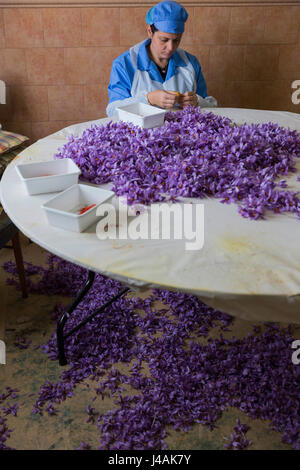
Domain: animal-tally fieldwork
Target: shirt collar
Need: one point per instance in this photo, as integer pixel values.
(145, 63)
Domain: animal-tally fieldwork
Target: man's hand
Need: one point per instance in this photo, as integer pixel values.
(162, 98)
(187, 98)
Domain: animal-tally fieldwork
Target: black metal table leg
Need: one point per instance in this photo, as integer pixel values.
(61, 323)
(99, 310)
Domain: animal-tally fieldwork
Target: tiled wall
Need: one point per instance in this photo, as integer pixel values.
(56, 61)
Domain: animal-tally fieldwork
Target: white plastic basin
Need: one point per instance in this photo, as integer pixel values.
(48, 177)
(142, 115)
(63, 210)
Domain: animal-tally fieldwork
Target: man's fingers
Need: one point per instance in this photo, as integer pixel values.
(189, 98)
(168, 105)
(189, 93)
(170, 100)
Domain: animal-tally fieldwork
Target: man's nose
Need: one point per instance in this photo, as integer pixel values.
(171, 47)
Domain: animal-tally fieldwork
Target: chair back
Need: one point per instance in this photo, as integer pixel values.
(2, 92)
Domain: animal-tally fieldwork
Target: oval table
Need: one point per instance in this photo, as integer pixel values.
(249, 269)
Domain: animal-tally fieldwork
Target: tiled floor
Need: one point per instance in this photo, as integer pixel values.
(28, 369)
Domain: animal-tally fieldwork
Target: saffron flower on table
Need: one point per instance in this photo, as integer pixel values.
(194, 154)
(85, 209)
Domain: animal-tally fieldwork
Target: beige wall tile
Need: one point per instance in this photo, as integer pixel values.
(100, 26)
(188, 35)
(226, 62)
(23, 27)
(2, 44)
(276, 95)
(242, 94)
(82, 65)
(132, 25)
(13, 66)
(6, 109)
(95, 101)
(43, 129)
(89, 65)
(247, 25)
(215, 88)
(235, 94)
(289, 62)
(188, 44)
(281, 24)
(62, 27)
(211, 25)
(45, 66)
(65, 102)
(261, 62)
(29, 103)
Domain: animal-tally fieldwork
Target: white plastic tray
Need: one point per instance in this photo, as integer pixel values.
(48, 177)
(63, 210)
(142, 115)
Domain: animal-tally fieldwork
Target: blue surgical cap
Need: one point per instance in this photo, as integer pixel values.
(168, 17)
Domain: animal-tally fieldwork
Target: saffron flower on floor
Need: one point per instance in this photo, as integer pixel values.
(179, 374)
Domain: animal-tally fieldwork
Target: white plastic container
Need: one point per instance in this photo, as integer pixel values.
(63, 209)
(142, 115)
(48, 177)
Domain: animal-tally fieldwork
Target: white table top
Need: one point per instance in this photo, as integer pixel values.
(250, 269)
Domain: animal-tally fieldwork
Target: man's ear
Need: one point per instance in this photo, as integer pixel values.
(149, 32)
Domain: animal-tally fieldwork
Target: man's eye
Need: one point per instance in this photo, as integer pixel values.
(176, 41)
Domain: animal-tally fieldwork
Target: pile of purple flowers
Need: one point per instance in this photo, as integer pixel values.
(5, 432)
(195, 154)
(237, 439)
(178, 374)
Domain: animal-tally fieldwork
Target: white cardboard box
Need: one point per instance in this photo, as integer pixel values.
(48, 177)
(142, 115)
(63, 210)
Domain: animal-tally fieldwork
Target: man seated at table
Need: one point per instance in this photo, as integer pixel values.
(156, 71)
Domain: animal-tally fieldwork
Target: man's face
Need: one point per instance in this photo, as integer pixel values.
(163, 44)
